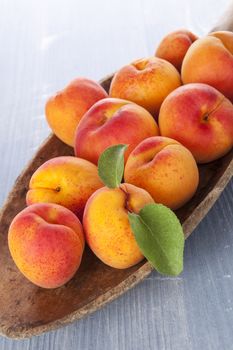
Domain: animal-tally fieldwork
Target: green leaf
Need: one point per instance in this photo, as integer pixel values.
(160, 238)
(111, 165)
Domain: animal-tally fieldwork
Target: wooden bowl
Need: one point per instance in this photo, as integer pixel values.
(27, 310)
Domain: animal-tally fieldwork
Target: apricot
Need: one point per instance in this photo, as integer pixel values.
(199, 117)
(165, 169)
(174, 46)
(68, 181)
(209, 60)
(46, 243)
(106, 224)
(146, 82)
(109, 122)
(65, 109)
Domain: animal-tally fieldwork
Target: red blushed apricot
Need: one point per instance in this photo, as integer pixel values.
(146, 82)
(174, 46)
(165, 169)
(109, 122)
(209, 60)
(107, 227)
(46, 243)
(65, 109)
(68, 181)
(201, 118)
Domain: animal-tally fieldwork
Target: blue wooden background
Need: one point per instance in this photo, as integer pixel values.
(45, 44)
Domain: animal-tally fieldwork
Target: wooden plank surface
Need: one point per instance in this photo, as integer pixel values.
(43, 46)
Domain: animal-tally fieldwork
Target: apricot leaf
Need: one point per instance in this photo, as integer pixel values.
(111, 165)
(160, 237)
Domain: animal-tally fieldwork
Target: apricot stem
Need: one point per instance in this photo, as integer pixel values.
(127, 204)
(206, 117)
(57, 189)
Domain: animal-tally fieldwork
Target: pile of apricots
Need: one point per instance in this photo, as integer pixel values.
(173, 110)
